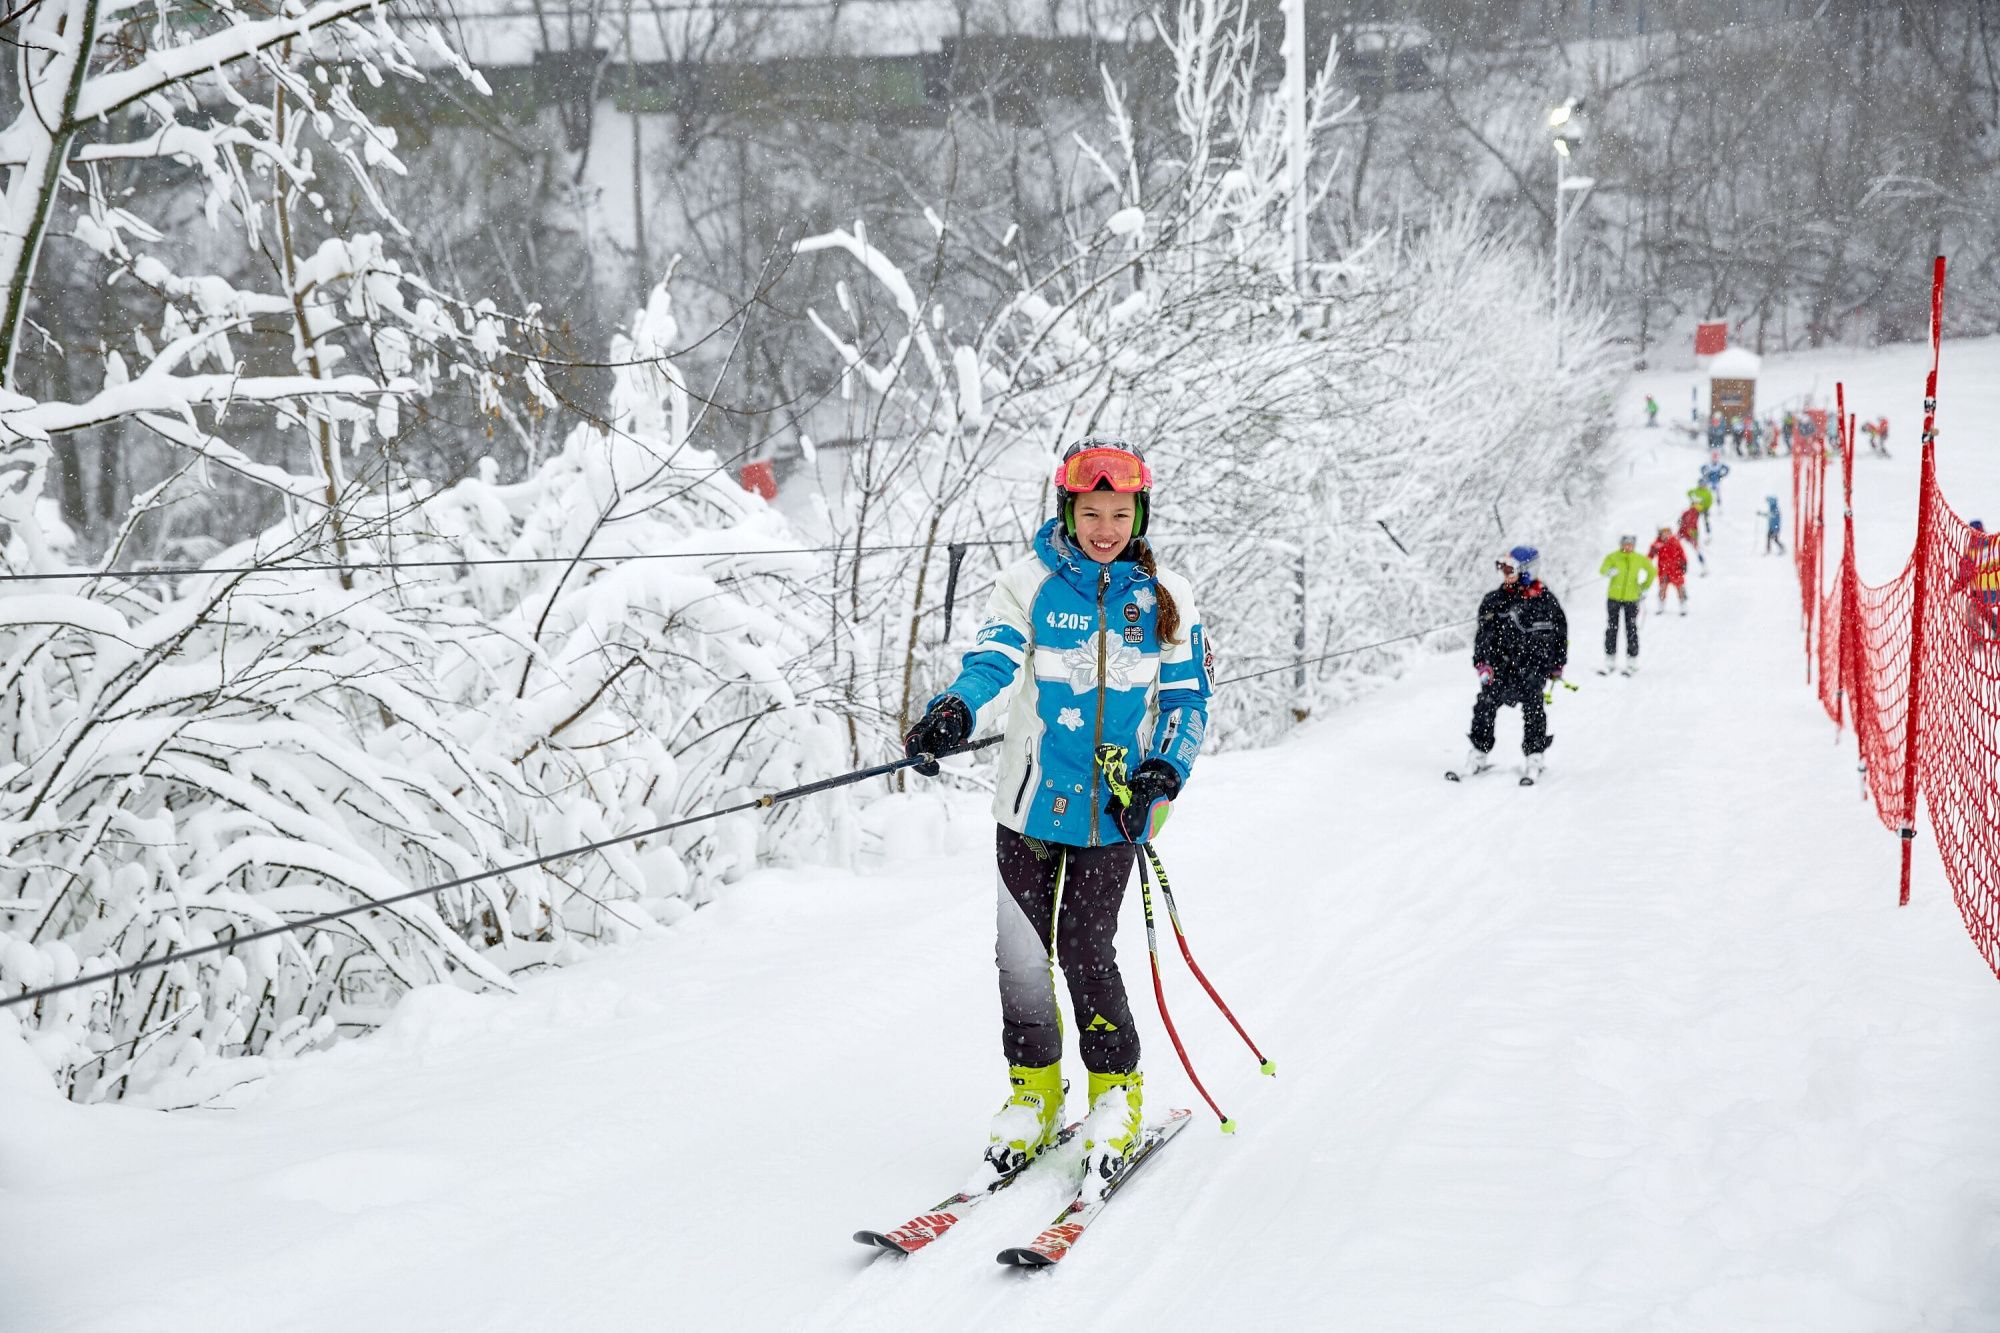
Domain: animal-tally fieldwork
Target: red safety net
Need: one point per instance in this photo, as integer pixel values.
(1958, 732)
(1928, 640)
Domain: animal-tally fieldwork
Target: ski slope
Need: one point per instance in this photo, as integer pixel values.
(1648, 1047)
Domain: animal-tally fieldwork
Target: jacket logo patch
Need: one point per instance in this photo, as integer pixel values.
(1135, 634)
(1132, 612)
(1060, 805)
(1208, 660)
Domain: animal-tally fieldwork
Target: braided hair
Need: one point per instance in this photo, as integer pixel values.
(1169, 613)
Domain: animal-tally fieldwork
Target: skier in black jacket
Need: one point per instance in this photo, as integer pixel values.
(1522, 643)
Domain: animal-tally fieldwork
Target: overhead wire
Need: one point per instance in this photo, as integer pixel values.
(285, 565)
(354, 566)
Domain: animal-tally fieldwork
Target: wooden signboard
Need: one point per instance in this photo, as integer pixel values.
(1733, 398)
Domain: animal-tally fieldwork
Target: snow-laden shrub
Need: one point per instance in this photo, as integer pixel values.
(254, 747)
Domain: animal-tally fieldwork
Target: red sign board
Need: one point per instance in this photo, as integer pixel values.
(761, 478)
(1710, 339)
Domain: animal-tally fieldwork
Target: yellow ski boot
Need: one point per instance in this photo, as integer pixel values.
(1112, 1130)
(1028, 1123)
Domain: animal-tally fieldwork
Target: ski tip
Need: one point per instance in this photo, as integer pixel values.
(1020, 1256)
(1450, 776)
(1269, 1067)
(876, 1240)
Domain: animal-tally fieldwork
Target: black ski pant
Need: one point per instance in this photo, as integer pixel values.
(1060, 903)
(1500, 692)
(1630, 611)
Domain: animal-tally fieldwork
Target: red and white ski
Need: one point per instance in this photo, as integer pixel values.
(927, 1226)
(1063, 1233)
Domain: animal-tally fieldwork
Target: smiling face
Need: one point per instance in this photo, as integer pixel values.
(1104, 523)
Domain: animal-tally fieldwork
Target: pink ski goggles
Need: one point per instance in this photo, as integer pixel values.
(1124, 472)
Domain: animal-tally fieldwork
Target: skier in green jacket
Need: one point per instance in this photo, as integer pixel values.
(1703, 499)
(1631, 575)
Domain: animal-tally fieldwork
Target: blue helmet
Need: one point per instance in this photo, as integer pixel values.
(1523, 559)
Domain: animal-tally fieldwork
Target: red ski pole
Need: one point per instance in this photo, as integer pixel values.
(1160, 995)
(1264, 1066)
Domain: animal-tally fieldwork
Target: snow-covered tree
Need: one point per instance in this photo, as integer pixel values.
(1294, 419)
(188, 762)
(319, 323)
(265, 744)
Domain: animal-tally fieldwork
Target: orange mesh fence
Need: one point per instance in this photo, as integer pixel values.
(1923, 647)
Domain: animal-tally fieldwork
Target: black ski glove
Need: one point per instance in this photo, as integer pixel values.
(944, 727)
(1154, 782)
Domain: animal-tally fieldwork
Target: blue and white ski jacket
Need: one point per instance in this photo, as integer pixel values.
(1083, 641)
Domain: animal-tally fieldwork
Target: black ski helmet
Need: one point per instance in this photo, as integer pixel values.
(1142, 506)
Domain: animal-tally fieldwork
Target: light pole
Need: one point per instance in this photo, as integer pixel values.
(1562, 120)
(1295, 135)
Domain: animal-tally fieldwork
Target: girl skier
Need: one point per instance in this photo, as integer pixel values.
(1107, 650)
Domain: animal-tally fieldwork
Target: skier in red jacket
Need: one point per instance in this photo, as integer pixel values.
(1671, 557)
(1691, 534)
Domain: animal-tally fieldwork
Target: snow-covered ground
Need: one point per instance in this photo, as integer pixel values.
(1649, 1046)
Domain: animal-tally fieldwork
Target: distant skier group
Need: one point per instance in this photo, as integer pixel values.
(1521, 645)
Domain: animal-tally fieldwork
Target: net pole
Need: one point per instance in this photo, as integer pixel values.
(1920, 613)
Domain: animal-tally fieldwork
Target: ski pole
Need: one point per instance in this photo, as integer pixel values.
(1111, 759)
(1264, 1066)
(1160, 997)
